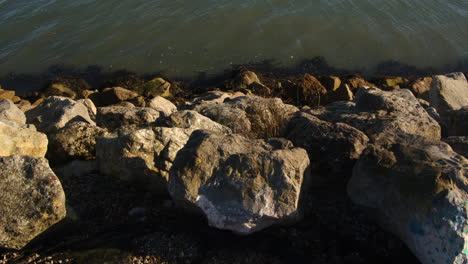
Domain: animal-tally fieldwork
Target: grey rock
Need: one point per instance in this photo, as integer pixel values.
(21, 140)
(194, 120)
(31, 199)
(55, 112)
(162, 105)
(92, 110)
(240, 184)
(449, 92)
(458, 144)
(9, 111)
(113, 117)
(376, 112)
(333, 147)
(418, 189)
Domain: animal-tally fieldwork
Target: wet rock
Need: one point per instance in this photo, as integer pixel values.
(21, 140)
(113, 117)
(420, 87)
(390, 83)
(417, 187)
(55, 112)
(9, 111)
(456, 122)
(67, 87)
(458, 144)
(240, 184)
(333, 147)
(76, 140)
(448, 92)
(194, 120)
(307, 90)
(31, 199)
(162, 105)
(251, 116)
(155, 87)
(111, 96)
(376, 112)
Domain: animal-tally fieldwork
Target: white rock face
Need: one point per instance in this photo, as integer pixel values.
(449, 92)
(9, 111)
(162, 105)
(21, 140)
(240, 184)
(419, 189)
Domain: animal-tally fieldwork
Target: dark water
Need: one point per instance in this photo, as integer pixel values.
(185, 37)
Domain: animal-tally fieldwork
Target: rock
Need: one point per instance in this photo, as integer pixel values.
(124, 104)
(424, 103)
(76, 140)
(376, 112)
(389, 83)
(242, 81)
(143, 156)
(420, 87)
(155, 87)
(16, 99)
(456, 122)
(67, 87)
(9, 111)
(111, 96)
(343, 93)
(448, 92)
(307, 90)
(7, 94)
(240, 184)
(458, 144)
(31, 199)
(333, 147)
(92, 110)
(24, 105)
(38, 101)
(138, 101)
(216, 97)
(355, 82)
(20, 140)
(162, 105)
(259, 89)
(251, 116)
(418, 189)
(194, 120)
(125, 80)
(113, 117)
(331, 83)
(55, 112)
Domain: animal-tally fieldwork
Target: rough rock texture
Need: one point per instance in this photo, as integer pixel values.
(162, 105)
(216, 97)
(76, 140)
(55, 112)
(194, 120)
(9, 111)
(114, 95)
(421, 87)
(418, 188)
(92, 110)
(31, 199)
(343, 93)
(448, 92)
(240, 184)
(458, 144)
(307, 90)
(155, 87)
(113, 117)
(21, 140)
(376, 112)
(69, 87)
(7, 94)
(251, 116)
(333, 147)
(456, 122)
(144, 156)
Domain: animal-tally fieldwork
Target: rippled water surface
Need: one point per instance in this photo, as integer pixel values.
(188, 36)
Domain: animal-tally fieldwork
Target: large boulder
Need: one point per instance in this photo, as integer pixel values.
(113, 117)
(251, 116)
(240, 184)
(306, 90)
(9, 111)
(332, 147)
(376, 112)
(31, 199)
(76, 140)
(194, 120)
(448, 92)
(418, 189)
(21, 140)
(459, 144)
(162, 105)
(55, 112)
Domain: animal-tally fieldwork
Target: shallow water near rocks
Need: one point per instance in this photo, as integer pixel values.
(185, 37)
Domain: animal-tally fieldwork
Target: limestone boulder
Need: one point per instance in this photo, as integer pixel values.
(162, 105)
(449, 92)
(418, 190)
(55, 112)
(194, 120)
(376, 112)
(76, 140)
(21, 140)
(113, 117)
(332, 147)
(9, 111)
(239, 184)
(31, 199)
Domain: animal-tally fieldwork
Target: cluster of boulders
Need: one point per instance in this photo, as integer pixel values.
(243, 161)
